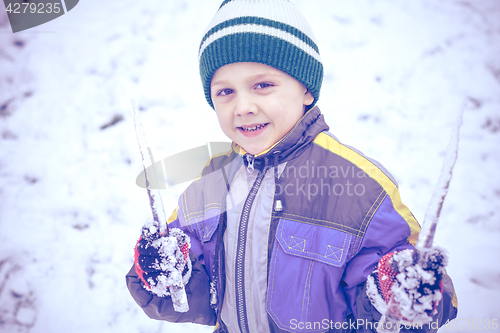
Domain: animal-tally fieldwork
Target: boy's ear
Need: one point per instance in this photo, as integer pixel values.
(308, 98)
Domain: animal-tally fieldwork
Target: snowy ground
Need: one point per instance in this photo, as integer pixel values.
(397, 72)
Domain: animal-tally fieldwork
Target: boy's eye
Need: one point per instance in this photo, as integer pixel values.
(224, 92)
(263, 85)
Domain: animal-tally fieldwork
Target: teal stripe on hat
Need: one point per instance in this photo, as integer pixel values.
(264, 22)
(265, 49)
(224, 3)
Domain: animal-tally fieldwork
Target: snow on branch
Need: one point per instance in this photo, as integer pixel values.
(433, 212)
(155, 200)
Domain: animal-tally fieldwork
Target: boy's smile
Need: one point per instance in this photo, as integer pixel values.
(252, 130)
(257, 104)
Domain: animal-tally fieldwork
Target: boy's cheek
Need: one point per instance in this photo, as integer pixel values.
(227, 129)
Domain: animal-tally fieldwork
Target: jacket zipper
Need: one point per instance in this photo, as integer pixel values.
(240, 251)
(250, 160)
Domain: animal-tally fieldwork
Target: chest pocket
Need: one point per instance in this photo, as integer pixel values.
(205, 229)
(304, 287)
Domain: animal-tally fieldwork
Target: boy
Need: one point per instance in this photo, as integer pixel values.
(291, 230)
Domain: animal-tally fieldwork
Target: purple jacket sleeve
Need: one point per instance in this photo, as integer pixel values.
(387, 232)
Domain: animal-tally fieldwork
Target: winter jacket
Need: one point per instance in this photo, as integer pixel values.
(297, 228)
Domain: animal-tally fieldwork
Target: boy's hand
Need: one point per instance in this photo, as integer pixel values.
(411, 281)
(162, 262)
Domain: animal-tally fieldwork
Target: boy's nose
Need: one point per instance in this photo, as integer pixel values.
(245, 105)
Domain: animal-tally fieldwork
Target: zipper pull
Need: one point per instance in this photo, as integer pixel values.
(213, 294)
(250, 160)
(278, 206)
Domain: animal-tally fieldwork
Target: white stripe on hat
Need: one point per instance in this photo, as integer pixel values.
(260, 29)
(276, 10)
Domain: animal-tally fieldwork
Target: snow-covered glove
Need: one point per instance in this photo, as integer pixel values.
(412, 280)
(162, 261)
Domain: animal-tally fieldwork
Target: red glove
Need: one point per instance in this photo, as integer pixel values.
(412, 279)
(162, 261)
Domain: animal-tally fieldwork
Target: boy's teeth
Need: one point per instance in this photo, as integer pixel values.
(253, 128)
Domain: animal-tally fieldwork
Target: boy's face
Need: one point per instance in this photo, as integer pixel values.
(256, 104)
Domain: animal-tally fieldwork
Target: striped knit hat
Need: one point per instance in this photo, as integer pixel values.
(270, 32)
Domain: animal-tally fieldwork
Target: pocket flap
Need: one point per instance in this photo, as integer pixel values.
(205, 229)
(313, 242)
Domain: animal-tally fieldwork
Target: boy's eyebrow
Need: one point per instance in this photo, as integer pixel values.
(259, 76)
(251, 78)
(217, 82)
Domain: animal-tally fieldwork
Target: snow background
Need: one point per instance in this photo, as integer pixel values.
(396, 75)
